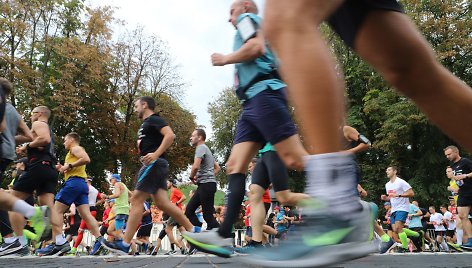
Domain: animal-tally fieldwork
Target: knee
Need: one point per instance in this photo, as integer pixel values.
(255, 195)
(294, 162)
(233, 166)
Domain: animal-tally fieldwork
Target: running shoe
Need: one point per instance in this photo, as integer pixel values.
(48, 248)
(455, 247)
(10, 248)
(171, 252)
(322, 240)
(468, 245)
(386, 246)
(40, 221)
(248, 249)
(210, 242)
(117, 247)
(96, 248)
(58, 250)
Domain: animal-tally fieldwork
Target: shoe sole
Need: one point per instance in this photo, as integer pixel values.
(335, 254)
(114, 250)
(10, 251)
(211, 249)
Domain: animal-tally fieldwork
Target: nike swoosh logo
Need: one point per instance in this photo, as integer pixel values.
(329, 238)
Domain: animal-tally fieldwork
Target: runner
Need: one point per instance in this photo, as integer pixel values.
(40, 174)
(93, 196)
(75, 190)
(121, 196)
(398, 192)
(154, 138)
(204, 170)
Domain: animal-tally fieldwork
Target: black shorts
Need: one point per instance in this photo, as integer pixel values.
(451, 233)
(163, 232)
(144, 230)
(153, 177)
(73, 230)
(41, 177)
(265, 118)
(270, 168)
(439, 233)
(348, 18)
(103, 230)
(464, 201)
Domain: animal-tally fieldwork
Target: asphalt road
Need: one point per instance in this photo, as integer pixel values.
(202, 261)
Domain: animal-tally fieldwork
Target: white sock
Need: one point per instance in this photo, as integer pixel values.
(125, 244)
(10, 240)
(459, 235)
(444, 245)
(22, 240)
(24, 208)
(338, 190)
(60, 239)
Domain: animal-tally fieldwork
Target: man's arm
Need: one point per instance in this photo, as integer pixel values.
(217, 168)
(24, 133)
(182, 199)
(409, 193)
(251, 50)
(197, 161)
(351, 134)
(117, 192)
(167, 141)
(83, 159)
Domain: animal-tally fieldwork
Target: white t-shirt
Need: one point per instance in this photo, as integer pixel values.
(437, 220)
(398, 186)
(451, 225)
(92, 197)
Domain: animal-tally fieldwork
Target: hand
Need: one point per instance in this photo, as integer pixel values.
(149, 158)
(218, 59)
(63, 168)
(392, 195)
(21, 149)
(383, 197)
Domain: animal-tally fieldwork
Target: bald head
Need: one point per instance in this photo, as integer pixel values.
(250, 6)
(239, 7)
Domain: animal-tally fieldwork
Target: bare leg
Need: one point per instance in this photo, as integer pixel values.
(135, 214)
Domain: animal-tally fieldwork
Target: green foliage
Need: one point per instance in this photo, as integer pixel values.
(60, 53)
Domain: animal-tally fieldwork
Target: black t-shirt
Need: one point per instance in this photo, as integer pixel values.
(463, 166)
(149, 135)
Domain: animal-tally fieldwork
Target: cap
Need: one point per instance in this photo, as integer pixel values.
(111, 200)
(173, 181)
(245, 198)
(277, 207)
(387, 204)
(116, 177)
(89, 178)
(23, 160)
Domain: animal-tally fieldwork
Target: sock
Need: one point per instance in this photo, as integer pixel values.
(459, 235)
(385, 238)
(24, 208)
(125, 244)
(23, 240)
(237, 183)
(30, 235)
(332, 179)
(78, 239)
(60, 240)
(172, 247)
(444, 245)
(409, 232)
(196, 229)
(9, 240)
(403, 239)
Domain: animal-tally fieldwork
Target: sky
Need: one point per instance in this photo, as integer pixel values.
(193, 30)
